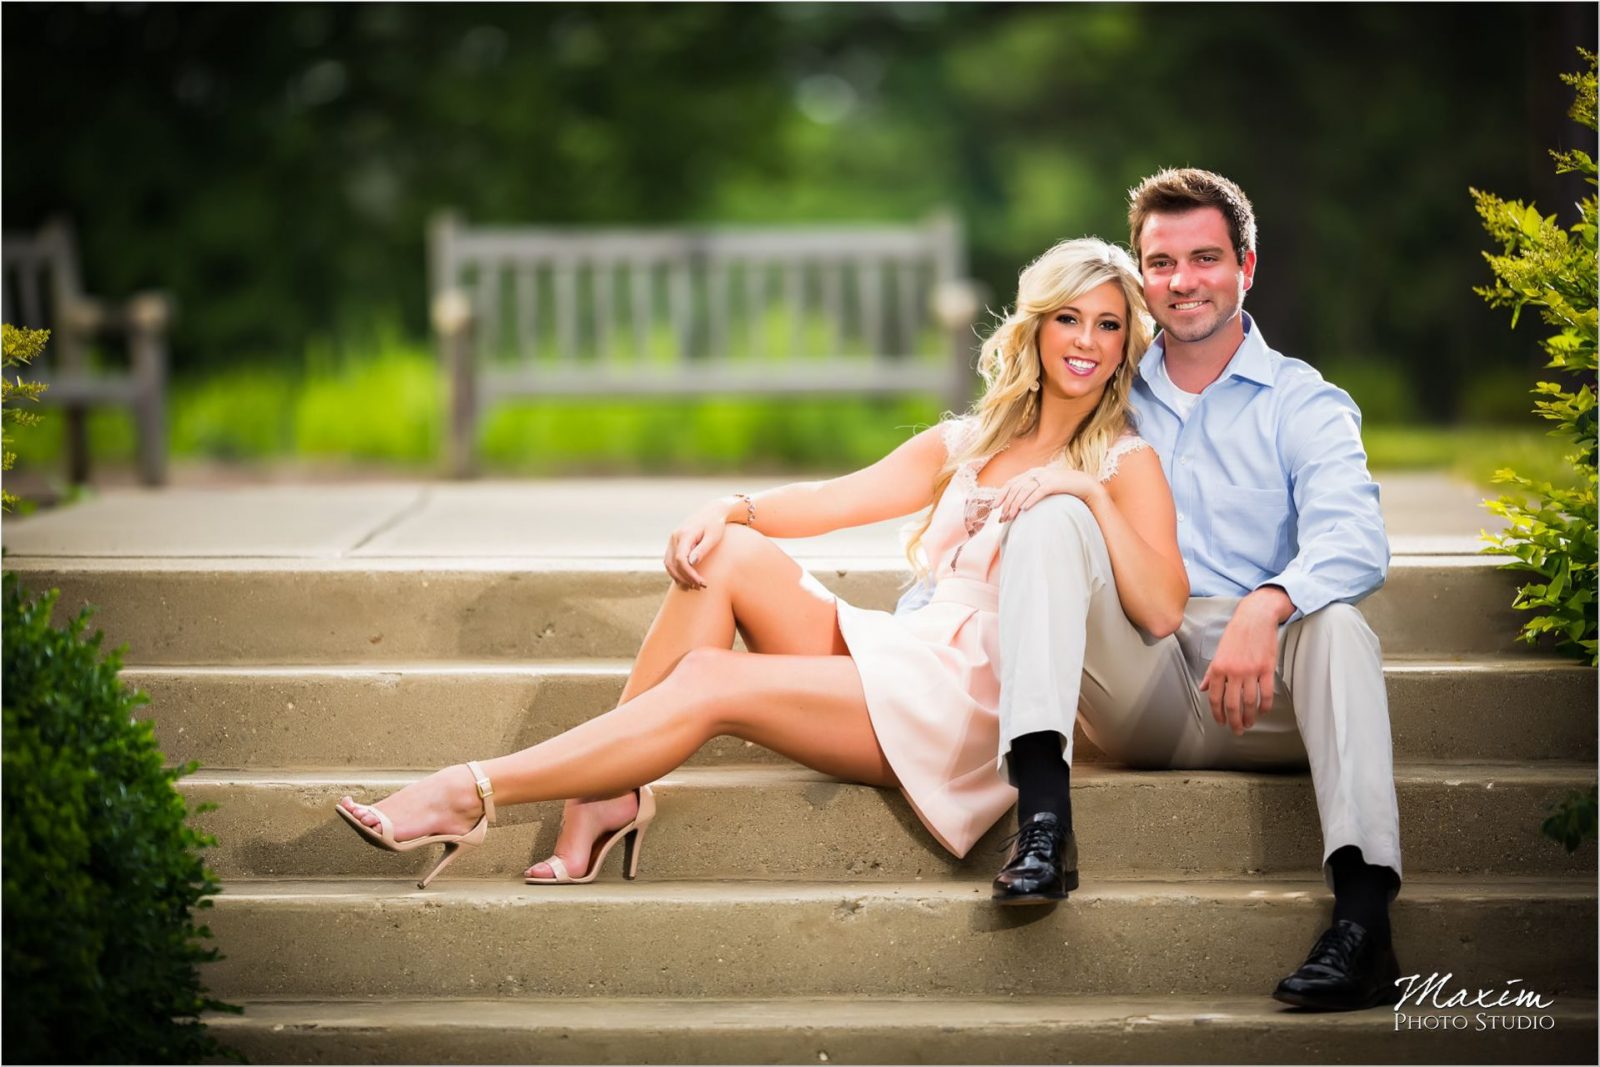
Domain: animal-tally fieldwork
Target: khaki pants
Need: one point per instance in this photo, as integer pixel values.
(1068, 650)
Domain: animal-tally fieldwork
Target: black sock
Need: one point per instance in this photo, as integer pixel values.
(1042, 777)
(1361, 891)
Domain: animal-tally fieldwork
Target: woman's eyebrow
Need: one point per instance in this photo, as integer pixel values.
(1103, 314)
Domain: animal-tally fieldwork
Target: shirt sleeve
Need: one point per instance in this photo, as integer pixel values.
(1343, 549)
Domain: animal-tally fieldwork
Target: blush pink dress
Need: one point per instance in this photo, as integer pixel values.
(931, 675)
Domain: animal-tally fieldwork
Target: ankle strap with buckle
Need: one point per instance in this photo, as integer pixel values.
(485, 788)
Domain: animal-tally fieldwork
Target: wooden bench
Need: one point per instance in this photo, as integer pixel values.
(541, 312)
(42, 290)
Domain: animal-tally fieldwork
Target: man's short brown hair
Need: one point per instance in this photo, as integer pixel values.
(1179, 189)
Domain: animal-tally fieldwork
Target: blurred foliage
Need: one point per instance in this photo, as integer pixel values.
(1543, 265)
(329, 411)
(275, 166)
(18, 347)
(102, 870)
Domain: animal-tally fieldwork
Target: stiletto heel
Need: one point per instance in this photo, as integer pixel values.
(630, 855)
(631, 836)
(454, 844)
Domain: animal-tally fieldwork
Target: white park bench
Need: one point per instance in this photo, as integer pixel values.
(538, 312)
(43, 290)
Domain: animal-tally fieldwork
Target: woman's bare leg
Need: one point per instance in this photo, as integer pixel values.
(782, 611)
(808, 708)
(751, 586)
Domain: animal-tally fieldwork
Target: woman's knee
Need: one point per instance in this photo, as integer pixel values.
(739, 547)
(701, 677)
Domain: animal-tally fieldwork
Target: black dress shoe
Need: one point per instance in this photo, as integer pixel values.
(1348, 970)
(1043, 864)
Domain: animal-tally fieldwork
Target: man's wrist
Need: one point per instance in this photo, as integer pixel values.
(1273, 600)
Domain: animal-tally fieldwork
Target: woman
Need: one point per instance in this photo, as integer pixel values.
(907, 700)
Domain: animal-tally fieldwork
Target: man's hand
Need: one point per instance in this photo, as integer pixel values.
(1240, 678)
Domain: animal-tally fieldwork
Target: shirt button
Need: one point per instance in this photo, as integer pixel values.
(1180, 517)
(1185, 461)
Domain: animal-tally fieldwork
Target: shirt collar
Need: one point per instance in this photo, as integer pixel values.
(1252, 361)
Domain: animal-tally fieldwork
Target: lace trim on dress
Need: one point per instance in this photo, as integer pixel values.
(966, 475)
(1125, 444)
(952, 431)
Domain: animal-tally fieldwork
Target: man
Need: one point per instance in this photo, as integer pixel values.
(1280, 529)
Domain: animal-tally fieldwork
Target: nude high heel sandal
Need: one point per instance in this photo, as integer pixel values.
(631, 836)
(454, 844)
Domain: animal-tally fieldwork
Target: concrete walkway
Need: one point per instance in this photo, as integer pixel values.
(1426, 514)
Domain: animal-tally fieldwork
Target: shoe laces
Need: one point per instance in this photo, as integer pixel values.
(1337, 946)
(1033, 835)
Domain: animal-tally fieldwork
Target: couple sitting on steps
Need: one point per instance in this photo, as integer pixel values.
(1162, 537)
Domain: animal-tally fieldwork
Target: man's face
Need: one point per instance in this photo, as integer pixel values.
(1193, 279)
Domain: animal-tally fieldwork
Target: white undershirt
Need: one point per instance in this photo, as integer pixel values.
(1183, 401)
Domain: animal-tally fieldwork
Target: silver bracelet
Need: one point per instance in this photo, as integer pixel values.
(749, 508)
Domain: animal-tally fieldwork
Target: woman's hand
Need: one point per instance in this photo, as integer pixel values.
(692, 542)
(1032, 486)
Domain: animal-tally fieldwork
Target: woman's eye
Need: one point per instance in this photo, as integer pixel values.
(1112, 326)
(1066, 320)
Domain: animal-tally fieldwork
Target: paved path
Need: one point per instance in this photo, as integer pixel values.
(568, 518)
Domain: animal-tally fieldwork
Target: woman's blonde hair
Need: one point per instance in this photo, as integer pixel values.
(1009, 365)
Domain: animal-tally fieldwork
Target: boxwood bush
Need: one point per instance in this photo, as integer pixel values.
(101, 870)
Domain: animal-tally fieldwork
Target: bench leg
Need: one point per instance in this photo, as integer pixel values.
(463, 406)
(77, 434)
(148, 341)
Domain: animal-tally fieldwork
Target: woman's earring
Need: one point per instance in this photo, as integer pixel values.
(1034, 386)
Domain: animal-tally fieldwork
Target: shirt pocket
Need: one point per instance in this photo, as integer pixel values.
(1251, 527)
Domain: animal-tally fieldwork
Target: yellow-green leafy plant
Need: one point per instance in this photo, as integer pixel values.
(20, 347)
(1551, 529)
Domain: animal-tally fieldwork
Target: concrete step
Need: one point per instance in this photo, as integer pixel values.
(790, 823)
(231, 611)
(421, 714)
(1044, 1029)
(325, 939)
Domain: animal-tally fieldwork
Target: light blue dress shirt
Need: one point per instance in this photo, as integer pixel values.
(1270, 479)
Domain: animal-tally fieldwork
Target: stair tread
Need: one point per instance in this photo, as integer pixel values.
(503, 891)
(605, 666)
(624, 1013)
(1088, 775)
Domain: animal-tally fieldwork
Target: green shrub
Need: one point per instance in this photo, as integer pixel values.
(101, 870)
(1551, 530)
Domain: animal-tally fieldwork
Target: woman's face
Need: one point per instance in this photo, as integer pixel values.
(1081, 343)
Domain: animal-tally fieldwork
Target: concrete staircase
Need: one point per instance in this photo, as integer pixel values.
(303, 642)
(782, 916)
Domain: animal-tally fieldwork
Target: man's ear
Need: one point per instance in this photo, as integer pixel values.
(1248, 266)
